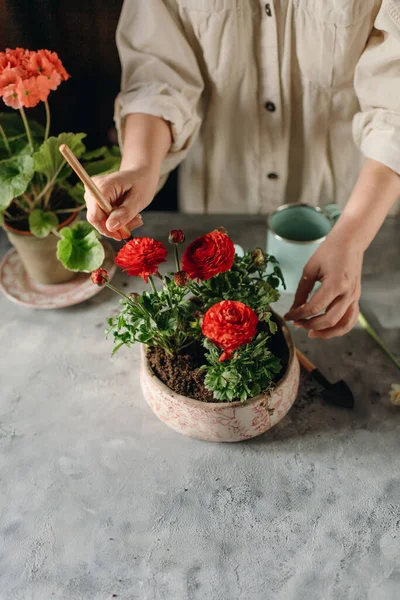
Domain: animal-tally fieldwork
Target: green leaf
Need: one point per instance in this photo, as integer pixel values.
(80, 249)
(109, 164)
(77, 192)
(15, 175)
(49, 160)
(14, 127)
(42, 222)
(1, 218)
(95, 154)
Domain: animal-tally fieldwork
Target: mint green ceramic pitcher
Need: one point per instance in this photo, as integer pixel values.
(295, 232)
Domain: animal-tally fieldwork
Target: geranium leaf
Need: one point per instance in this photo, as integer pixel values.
(108, 164)
(48, 159)
(95, 154)
(42, 222)
(15, 175)
(14, 128)
(80, 249)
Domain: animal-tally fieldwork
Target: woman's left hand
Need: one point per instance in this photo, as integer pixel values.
(337, 264)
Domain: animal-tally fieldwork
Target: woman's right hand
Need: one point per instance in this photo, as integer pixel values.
(129, 191)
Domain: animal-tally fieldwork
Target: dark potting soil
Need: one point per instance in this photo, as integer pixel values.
(60, 199)
(181, 372)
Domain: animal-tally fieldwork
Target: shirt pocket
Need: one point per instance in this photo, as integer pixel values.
(219, 32)
(330, 38)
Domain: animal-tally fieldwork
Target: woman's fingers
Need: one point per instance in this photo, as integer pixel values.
(98, 218)
(125, 213)
(345, 324)
(135, 223)
(317, 304)
(329, 319)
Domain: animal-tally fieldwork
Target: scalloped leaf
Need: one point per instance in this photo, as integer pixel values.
(41, 222)
(80, 248)
(15, 174)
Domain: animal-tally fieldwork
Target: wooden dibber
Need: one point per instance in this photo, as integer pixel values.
(338, 394)
(90, 184)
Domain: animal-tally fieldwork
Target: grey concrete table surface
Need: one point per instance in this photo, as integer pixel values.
(101, 500)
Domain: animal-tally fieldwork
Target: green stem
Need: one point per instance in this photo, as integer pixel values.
(27, 128)
(178, 268)
(70, 210)
(5, 140)
(364, 323)
(48, 120)
(29, 201)
(117, 291)
(21, 206)
(152, 285)
(51, 182)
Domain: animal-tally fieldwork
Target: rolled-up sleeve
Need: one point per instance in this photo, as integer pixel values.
(160, 73)
(376, 128)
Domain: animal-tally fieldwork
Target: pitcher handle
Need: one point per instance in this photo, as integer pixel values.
(332, 211)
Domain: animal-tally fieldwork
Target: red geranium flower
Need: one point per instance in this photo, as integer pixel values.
(141, 257)
(29, 93)
(10, 97)
(229, 324)
(208, 255)
(26, 77)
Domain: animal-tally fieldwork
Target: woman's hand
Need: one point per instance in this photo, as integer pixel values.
(337, 264)
(130, 191)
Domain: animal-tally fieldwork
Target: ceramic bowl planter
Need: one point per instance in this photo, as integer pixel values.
(223, 421)
(39, 255)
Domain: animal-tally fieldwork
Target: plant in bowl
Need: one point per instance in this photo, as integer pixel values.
(217, 363)
(39, 199)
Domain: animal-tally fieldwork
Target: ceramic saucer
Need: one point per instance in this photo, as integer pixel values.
(19, 287)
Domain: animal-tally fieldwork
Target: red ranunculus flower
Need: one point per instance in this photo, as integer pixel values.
(99, 277)
(208, 255)
(176, 236)
(141, 257)
(229, 325)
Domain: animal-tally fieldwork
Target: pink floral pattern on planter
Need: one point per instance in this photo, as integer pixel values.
(222, 422)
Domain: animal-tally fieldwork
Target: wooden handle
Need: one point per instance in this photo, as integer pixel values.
(101, 200)
(303, 360)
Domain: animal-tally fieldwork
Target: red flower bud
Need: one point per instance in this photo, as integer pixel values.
(222, 230)
(181, 278)
(99, 277)
(176, 236)
(134, 297)
(258, 257)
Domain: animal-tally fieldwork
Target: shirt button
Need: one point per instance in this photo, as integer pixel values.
(268, 10)
(272, 176)
(270, 106)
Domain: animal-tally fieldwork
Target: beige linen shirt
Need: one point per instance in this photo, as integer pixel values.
(269, 103)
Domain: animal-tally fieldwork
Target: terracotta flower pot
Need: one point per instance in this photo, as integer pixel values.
(223, 421)
(39, 256)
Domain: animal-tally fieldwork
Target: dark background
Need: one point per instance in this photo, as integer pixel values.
(82, 32)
